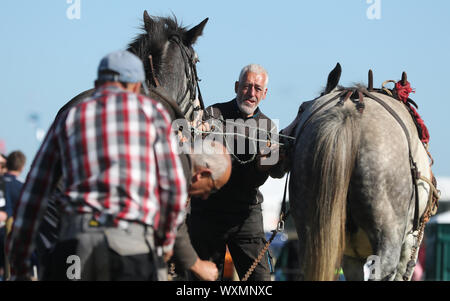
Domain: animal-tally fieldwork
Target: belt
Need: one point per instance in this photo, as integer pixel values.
(126, 237)
(89, 222)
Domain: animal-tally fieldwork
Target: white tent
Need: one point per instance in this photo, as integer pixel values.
(443, 218)
(443, 184)
(272, 191)
(273, 195)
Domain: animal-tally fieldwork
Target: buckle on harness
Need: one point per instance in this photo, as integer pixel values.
(280, 226)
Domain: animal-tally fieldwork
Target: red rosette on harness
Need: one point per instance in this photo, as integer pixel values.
(403, 92)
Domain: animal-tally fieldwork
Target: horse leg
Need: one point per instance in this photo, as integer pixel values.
(407, 248)
(387, 249)
(300, 228)
(353, 268)
(411, 238)
(382, 226)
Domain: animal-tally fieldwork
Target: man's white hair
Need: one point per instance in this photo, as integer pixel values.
(254, 68)
(213, 155)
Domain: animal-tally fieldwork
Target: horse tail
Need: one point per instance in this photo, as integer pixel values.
(336, 146)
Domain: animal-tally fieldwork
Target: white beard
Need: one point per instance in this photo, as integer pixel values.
(245, 108)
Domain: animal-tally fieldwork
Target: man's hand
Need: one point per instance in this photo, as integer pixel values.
(270, 157)
(205, 270)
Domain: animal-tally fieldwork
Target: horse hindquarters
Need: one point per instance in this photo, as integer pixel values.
(381, 200)
(332, 142)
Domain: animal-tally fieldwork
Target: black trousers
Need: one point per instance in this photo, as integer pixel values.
(101, 254)
(115, 267)
(242, 232)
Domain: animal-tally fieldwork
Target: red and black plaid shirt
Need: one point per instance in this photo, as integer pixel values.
(117, 155)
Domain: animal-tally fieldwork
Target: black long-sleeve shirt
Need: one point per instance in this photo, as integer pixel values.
(242, 190)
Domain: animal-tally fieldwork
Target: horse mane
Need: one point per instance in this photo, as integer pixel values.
(354, 86)
(153, 43)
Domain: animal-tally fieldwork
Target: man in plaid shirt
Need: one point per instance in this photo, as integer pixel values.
(124, 188)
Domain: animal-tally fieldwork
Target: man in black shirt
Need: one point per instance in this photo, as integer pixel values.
(233, 216)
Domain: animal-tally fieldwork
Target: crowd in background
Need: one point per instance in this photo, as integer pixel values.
(11, 167)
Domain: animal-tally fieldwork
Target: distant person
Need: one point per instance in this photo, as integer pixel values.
(124, 190)
(3, 160)
(10, 188)
(3, 215)
(3, 170)
(15, 164)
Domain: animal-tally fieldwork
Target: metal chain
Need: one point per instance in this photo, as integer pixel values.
(433, 198)
(172, 270)
(412, 260)
(260, 256)
(280, 228)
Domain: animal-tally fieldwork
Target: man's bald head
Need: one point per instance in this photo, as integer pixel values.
(211, 168)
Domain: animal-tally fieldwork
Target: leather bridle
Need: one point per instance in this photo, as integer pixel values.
(185, 103)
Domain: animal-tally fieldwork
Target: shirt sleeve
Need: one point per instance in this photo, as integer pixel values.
(32, 203)
(184, 253)
(171, 179)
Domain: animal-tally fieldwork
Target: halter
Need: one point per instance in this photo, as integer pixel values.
(190, 61)
(185, 104)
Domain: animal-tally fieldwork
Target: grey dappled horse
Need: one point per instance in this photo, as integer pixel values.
(351, 188)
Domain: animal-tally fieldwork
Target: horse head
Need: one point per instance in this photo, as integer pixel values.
(333, 79)
(170, 60)
(332, 82)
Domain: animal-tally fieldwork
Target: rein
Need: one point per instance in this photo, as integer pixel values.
(269, 141)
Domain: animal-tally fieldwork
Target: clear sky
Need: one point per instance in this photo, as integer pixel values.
(46, 58)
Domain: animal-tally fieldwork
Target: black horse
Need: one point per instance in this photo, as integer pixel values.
(165, 47)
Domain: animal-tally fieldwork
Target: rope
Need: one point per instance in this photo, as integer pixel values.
(197, 131)
(250, 127)
(430, 210)
(434, 194)
(269, 140)
(386, 89)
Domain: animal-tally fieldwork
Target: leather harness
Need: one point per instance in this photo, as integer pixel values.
(184, 105)
(360, 106)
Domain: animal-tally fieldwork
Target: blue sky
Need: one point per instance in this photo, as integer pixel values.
(46, 58)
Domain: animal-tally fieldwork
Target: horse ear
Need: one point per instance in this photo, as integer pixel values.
(148, 22)
(333, 78)
(192, 35)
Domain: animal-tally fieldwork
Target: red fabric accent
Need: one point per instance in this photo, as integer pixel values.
(403, 94)
(425, 134)
(403, 91)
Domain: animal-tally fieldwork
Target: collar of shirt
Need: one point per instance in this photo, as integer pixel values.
(9, 177)
(110, 89)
